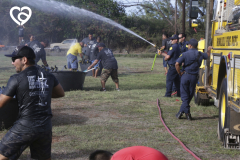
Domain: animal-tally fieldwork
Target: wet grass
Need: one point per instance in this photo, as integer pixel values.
(86, 120)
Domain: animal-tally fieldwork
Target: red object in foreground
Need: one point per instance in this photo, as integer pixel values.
(177, 100)
(138, 153)
(174, 93)
(189, 151)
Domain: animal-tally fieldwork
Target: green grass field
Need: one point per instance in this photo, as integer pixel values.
(86, 120)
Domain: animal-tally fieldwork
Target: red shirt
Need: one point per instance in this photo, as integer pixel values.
(138, 153)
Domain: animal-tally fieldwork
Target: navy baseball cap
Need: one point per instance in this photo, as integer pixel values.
(193, 42)
(101, 45)
(174, 37)
(22, 51)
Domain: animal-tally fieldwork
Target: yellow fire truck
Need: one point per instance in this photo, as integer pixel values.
(219, 76)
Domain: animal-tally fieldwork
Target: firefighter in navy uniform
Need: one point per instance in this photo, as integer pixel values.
(182, 43)
(172, 76)
(183, 48)
(192, 60)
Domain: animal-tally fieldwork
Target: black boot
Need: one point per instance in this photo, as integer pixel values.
(188, 116)
(179, 115)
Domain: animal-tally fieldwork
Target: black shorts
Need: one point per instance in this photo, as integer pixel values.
(13, 144)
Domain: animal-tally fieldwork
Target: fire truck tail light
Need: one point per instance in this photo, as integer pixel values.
(230, 55)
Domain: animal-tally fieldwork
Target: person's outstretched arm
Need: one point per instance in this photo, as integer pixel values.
(58, 91)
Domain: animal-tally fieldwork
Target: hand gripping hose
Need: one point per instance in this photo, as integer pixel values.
(160, 114)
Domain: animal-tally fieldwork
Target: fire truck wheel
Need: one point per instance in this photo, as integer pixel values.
(205, 102)
(224, 111)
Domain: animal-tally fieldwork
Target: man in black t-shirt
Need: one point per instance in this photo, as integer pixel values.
(110, 66)
(34, 88)
(38, 48)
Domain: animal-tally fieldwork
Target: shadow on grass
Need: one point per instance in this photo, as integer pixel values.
(145, 86)
(200, 118)
(126, 87)
(132, 72)
(72, 155)
(60, 118)
(93, 88)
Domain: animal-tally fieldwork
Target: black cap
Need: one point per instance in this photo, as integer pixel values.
(174, 37)
(101, 45)
(22, 51)
(193, 42)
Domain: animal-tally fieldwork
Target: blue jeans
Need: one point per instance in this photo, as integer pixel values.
(164, 62)
(72, 61)
(99, 64)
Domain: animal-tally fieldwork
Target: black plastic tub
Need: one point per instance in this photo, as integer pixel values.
(70, 80)
(84, 66)
(8, 114)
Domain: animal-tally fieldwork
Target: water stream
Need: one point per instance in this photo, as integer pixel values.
(61, 8)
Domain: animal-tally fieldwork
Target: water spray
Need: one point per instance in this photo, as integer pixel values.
(61, 8)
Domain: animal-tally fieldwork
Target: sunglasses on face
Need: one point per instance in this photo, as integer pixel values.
(14, 58)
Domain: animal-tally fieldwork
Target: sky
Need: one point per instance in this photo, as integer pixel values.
(134, 8)
(130, 2)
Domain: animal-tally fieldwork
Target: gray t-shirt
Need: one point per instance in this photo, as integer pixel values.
(95, 51)
(86, 41)
(164, 43)
(90, 49)
(38, 50)
(168, 44)
(107, 58)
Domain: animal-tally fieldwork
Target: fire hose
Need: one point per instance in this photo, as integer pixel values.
(160, 114)
(156, 57)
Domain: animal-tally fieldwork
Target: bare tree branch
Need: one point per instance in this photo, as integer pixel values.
(146, 6)
(159, 10)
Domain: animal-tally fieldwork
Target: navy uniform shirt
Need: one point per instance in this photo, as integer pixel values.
(189, 57)
(174, 53)
(183, 47)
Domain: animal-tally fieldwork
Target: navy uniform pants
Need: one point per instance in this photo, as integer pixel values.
(187, 87)
(172, 77)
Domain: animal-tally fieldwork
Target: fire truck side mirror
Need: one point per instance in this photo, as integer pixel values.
(193, 9)
(194, 23)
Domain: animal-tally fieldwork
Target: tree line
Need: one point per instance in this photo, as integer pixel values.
(149, 23)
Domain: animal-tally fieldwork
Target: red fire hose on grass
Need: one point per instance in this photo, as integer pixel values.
(160, 114)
